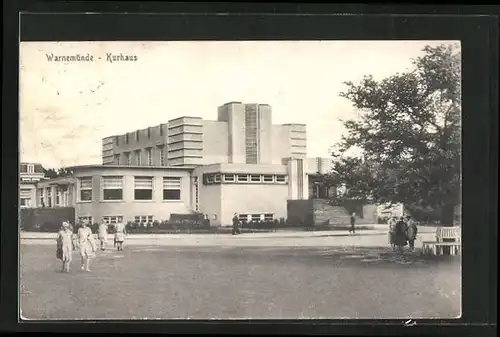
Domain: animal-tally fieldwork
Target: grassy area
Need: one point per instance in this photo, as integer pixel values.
(237, 282)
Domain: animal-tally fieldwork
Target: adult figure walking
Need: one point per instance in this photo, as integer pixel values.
(400, 234)
(392, 231)
(103, 235)
(236, 224)
(65, 246)
(411, 232)
(353, 223)
(120, 235)
(87, 245)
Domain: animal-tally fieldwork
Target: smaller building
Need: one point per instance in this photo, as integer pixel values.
(117, 193)
(29, 175)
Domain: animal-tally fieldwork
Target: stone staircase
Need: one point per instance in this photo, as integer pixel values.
(324, 213)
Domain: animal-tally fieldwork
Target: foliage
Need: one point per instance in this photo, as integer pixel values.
(408, 132)
(57, 173)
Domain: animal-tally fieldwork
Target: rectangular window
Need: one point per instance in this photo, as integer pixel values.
(126, 138)
(255, 217)
(117, 140)
(117, 159)
(149, 156)
(129, 158)
(58, 197)
(143, 188)
(280, 179)
(49, 198)
(86, 189)
(209, 178)
(268, 178)
(229, 177)
(144, 219)
(162, 155)
(24, 168)
(268, 217)
(138, 157)
(217, 178)
(171, 188)
(42, 197)
(255, 178)
(243, 218)
(161, 129)
(25, 202)
(137, 136)
(112, 219)
(25, 194)
(31, 168)
(242, 177)
(86, 219)
(197, 194)
(149, 133)
(112, 188)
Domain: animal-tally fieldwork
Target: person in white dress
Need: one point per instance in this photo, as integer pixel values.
(65, 246)
(120, 235)
(87, 245)
(103, 235)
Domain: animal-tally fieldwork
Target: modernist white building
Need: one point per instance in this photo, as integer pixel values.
(240, 163)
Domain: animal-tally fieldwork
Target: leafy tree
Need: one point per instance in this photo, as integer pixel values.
(56, 173)
(408, 132)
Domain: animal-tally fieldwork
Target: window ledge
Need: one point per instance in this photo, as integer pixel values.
(174, 201)
(112, 201)
(84, 201)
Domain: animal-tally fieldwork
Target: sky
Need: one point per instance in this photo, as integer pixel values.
(66, 108)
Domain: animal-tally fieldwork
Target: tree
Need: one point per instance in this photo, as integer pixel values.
(408, 132)
(57, 173)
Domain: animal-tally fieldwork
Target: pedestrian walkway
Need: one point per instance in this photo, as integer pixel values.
(362, 238)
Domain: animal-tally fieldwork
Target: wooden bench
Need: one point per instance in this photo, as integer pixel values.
(445, 237)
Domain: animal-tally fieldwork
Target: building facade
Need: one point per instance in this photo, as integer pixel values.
(241, 163)
(29, 175)
(242, 134)
(115, 193)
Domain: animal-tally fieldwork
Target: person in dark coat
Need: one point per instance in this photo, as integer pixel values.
(353, 223)
(400, 233)
(236, 224)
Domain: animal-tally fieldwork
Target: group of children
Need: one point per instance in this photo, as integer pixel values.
(84, 241)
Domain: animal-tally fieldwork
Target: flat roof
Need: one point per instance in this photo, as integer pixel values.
(181, 117)
(80, 167)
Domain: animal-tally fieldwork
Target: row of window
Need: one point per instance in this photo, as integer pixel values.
(256, 217)
(117, 139)
(138, 157)
(110, 220)
(143, 188)
(27, 168)
(148, 219)
(46, 197)
(216, 178)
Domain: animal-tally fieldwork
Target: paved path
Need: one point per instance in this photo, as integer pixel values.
(362, 238)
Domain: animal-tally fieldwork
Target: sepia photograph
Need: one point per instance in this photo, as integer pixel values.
(228, 180)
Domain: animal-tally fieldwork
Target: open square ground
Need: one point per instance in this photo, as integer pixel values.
(231, 282)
